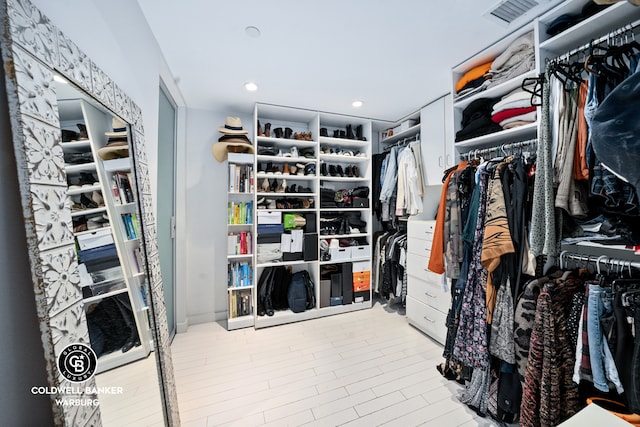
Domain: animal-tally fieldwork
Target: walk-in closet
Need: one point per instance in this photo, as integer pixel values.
(335, 214)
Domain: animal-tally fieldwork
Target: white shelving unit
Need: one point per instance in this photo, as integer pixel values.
(240, 244)
(347, 150)
(94, 205)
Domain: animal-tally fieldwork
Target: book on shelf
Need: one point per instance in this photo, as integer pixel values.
(239, 275)
(240, 304)
(240, 178)
(131, 225)
(239, 243)
(122, 188)
(239, 212)
(137, 259)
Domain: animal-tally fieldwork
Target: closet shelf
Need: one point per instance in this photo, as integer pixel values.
(615, 16)
(103, 296)
(342, 142)
(413, 130)
(273, 195)
(239, 288)
(238, 193)
(341, 261)
(239, 225)
(91, 231)
(342, 236)
(344, 209)
(343, 179)
(282, 142)
(240, 322)
(276, 263)
(283, 159)
(88, 212)
(291, 177)
(88, 189)
(496, 91)
(76, 145)
(241, 256)
(492, 139)
(343, 159)
(82, 167)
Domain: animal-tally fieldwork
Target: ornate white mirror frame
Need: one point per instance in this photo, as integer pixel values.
(33, 50)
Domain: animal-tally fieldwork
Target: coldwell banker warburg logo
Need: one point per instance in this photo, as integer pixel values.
(77, 362)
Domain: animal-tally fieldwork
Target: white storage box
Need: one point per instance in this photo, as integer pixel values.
(95, 239)
(340, 254)
(360, 266)
(269, 217)
(358, 252)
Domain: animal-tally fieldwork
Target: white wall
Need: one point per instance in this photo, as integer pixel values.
(206, 216)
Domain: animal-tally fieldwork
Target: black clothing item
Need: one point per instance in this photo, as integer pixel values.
(376, 164)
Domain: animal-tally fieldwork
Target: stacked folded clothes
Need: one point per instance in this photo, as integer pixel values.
(516, 59)
(476, 120)
(513, 110)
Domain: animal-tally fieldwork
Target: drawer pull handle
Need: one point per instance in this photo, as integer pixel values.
(429, 320)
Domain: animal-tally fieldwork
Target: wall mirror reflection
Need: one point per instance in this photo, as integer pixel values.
(107, 230)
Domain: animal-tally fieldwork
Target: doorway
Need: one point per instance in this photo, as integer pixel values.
(166, 201)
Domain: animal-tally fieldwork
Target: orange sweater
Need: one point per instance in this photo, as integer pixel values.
(436, 260)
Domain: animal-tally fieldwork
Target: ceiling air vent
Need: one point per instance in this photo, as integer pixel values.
(508, 11)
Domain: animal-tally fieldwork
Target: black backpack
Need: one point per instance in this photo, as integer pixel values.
(301, 293)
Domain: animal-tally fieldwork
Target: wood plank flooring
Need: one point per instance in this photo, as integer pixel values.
(365, 368)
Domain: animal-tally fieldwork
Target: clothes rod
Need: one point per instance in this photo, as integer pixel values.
(473, 154)
(600, 260)
(593, 43)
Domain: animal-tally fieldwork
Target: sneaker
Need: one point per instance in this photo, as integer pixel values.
(310, 169)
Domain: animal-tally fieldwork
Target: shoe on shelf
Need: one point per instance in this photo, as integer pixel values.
(339, 170)
(288, 133)
(260, 132)
(332, 170)
(278, 133)
(336, 133)
(285, 169)
(96, 196)
(355, 171)
(323, 169)
(293, 169)
(323, 132)
(349, 171)
(292, 153)
(300, 167)
(265, 185)
(276, 170)
(350, 134)
(273, 186)
(271, 204)
(310, 169)
(87, 203)
(282, 187)
(267, 129)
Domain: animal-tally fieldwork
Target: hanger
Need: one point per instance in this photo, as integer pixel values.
(536, 92)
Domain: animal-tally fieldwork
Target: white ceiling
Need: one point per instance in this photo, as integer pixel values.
(396, 56)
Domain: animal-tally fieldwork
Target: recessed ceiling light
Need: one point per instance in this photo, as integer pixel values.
(251, 87)
(357, 104)
(252, 31)
(59, 79)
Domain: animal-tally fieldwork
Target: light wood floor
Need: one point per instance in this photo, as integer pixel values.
(365, 368)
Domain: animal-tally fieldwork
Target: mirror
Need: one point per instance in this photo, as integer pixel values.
(113, 277)
(68, 203)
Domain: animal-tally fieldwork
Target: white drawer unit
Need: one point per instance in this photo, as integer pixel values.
(427, 319)
(427, 300)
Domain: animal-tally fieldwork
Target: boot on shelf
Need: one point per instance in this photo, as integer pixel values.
(260, 132)
(267, 129)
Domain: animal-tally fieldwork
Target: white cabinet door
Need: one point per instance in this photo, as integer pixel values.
(432, 119)
(450, 158)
